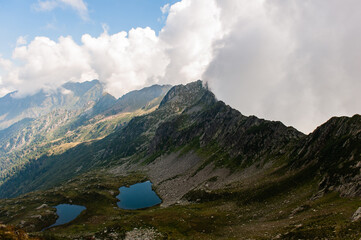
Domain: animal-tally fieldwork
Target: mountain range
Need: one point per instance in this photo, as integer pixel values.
(220, 174)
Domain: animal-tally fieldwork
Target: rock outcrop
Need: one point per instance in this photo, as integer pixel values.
(334, 151)
(357, 215)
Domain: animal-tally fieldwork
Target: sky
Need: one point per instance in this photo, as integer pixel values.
(29, 18)
(296, 61)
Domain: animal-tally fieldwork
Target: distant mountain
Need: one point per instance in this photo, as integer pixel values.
(83, 113)
(145, 98)
(135, 102)
(71, 96)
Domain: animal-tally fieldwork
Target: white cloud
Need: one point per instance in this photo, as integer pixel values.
(47, 64)
(122, 61)
(46, 5)
(190, 31)
(165, 8)
(126, 61)
(294, 61)
(77, 5)
(65, 91)
(21, 41)
(5, 64)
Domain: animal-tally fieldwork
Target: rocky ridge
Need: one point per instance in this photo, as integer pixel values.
(215, 170)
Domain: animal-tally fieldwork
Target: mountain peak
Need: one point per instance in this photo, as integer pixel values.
(181, 96)
(80, 88)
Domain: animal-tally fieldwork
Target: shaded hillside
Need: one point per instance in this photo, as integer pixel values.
(334, 150)
(186, 114)
(211, 124)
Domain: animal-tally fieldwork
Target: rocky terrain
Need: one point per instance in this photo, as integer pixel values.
(220, 174)
(334, 151)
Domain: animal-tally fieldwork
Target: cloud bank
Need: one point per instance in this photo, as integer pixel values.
(294, 61)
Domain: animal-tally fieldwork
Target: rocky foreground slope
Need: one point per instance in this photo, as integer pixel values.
(219, 173)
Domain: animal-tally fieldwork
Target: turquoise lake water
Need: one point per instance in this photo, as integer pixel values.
(138, 196)
(66, 213)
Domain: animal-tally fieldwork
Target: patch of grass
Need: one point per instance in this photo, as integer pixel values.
(255, 211)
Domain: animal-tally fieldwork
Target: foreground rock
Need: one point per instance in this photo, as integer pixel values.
(357, 215)
(142, 234)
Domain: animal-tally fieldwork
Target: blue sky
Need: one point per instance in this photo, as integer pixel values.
(23, 18)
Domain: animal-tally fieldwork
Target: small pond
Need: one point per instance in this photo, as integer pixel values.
(66, 213)
(138, 196)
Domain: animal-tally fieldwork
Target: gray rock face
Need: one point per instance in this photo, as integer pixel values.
(181, 96)
(357, 215)
(209, 121)
(333, 150)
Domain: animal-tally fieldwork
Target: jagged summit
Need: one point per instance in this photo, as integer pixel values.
(81, 88)
(181, 96)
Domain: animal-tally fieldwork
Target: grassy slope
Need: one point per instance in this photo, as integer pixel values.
(257, 211)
